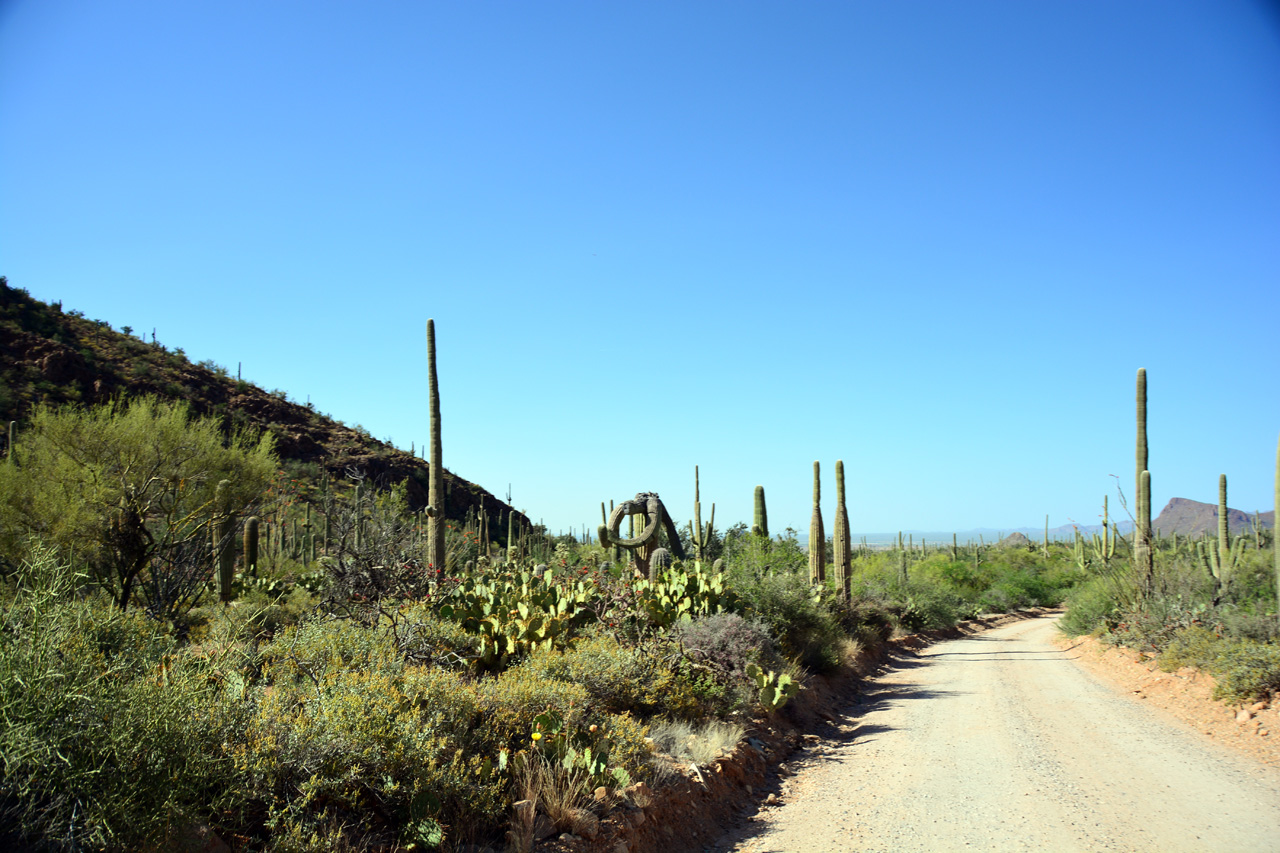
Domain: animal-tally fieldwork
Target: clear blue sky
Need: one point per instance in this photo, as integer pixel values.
(933, 239)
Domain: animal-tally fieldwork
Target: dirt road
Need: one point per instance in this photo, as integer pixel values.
(1001, 742)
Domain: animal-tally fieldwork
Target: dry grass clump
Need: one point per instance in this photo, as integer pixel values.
(699, 744)
(563, 796)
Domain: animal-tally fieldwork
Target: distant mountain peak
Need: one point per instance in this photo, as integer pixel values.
(1191, 518)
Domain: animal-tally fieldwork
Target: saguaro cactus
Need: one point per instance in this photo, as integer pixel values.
(761, 525)
(1224, 533)
(843, 557)
(435, 497)
(1142, 554)
(1220, 561)
(701, 535)
(817, 536)
(648, 506)
(251, 545)
(223, 543)
(1104, 546)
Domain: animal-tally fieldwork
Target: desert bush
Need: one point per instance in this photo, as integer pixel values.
(868, 621)
(1247, 670)
(423, 638)
(1091, 607)
(618, 678)
(726, 643)
(108, 736)
(926, 607)
(753, 556)
(799, 620)
(129, 489)
(1243, 669)
(1016, 588)
(348, 749)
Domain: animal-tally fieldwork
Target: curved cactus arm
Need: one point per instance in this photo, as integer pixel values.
(639, 505)
(673, 535)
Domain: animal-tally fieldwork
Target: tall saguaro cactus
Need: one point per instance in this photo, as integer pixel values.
(251, 545)
(1224, 533)
(435, 496)
(1142, 553)
(223, 543)
(760, 527)
(817, 536)
(843, 548)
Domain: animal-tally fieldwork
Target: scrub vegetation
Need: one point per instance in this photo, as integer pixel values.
(199, 633)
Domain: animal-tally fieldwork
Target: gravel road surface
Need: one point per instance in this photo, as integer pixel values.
(1001, 742)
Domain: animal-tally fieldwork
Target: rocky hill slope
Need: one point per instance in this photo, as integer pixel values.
(1188, 517)
(56, 356)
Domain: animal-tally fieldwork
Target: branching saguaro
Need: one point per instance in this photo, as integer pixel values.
(701, 535)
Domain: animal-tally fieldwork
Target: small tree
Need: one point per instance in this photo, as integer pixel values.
(127, 491)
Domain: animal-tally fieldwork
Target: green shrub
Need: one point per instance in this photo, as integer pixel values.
(619, 679)
(928, 607)
(1243, 669)
(1091, 607)
(800, 622)
(1247, 670)
(107, 737)
(867, 620)
(349, 756)
(1195, 647)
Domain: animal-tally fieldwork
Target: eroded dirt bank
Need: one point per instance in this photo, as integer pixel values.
(1001, 741)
